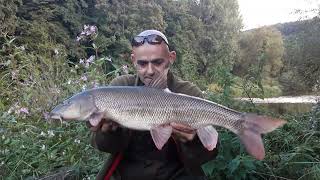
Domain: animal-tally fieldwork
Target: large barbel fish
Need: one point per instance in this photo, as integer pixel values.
(153, 109)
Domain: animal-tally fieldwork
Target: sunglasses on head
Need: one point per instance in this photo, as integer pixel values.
(151, 39)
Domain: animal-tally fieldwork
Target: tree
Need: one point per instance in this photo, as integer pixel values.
(266, 42)
(302, 57)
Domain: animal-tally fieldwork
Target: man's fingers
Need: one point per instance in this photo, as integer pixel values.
(182, 127)
(183, 136)
(104, 125)
(94, 128)
(109, 125)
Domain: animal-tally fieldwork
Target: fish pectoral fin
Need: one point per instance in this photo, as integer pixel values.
(160, 135)
(208, 136)
(95, 118)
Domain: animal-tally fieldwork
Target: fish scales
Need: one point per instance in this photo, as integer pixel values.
(156, 107)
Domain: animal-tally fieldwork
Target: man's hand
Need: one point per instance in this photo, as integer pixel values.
(182, 132)
(104, 126)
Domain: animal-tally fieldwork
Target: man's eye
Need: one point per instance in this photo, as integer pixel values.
(157, 62)
(142, 63)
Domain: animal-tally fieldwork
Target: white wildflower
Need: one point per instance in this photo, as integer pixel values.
(14, 74)
(50, 133)
(3, 137)
(84, 87)
(91, 59)
(94, 45)
(46, 115)
(79, 38)
(69, 81)
(84, 78)
(87, 65)
(24, 110)
(95, 84)
(93, 29)
(42, 133)
(109, 59)
(204, 92)
(77, 141)
(11, 109)
(56, 51)
(43, 147)
(125, 69)
(87, 32)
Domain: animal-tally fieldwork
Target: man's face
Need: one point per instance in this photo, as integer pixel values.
(152, 61)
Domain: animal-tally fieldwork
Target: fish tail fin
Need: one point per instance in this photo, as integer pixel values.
(254, 126)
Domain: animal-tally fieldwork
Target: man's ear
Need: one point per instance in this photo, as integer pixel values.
(172, 56)
(133, 59)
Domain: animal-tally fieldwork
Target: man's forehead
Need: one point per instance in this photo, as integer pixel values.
(148, 49)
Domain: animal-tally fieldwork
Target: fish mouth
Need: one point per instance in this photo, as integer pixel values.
(55, 117)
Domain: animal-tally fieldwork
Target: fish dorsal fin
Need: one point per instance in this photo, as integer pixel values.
(160, 135)
(208, 135)
(160, 82)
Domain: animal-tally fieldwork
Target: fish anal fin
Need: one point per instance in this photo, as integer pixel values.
(208, 136)
(95, 118)
(160, 135)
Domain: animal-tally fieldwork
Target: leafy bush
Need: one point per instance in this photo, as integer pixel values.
(31, 84)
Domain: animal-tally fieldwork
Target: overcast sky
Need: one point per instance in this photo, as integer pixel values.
(256, 13)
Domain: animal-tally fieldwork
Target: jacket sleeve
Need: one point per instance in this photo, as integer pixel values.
(113, 141)
(193, 154)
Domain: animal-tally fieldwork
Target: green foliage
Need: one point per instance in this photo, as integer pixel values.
(231, 162)
(260, 62)
(34, 148)
(302, 64)
(292, 152)
(31, 83)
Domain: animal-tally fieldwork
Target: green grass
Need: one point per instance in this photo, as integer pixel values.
(35, 148)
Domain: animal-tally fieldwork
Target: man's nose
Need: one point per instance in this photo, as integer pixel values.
(150, 70)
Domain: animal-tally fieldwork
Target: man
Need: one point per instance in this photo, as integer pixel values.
(183, 154)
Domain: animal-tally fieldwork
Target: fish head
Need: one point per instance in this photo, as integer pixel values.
(78, 107)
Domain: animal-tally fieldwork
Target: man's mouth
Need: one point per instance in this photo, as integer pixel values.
(147, 80)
